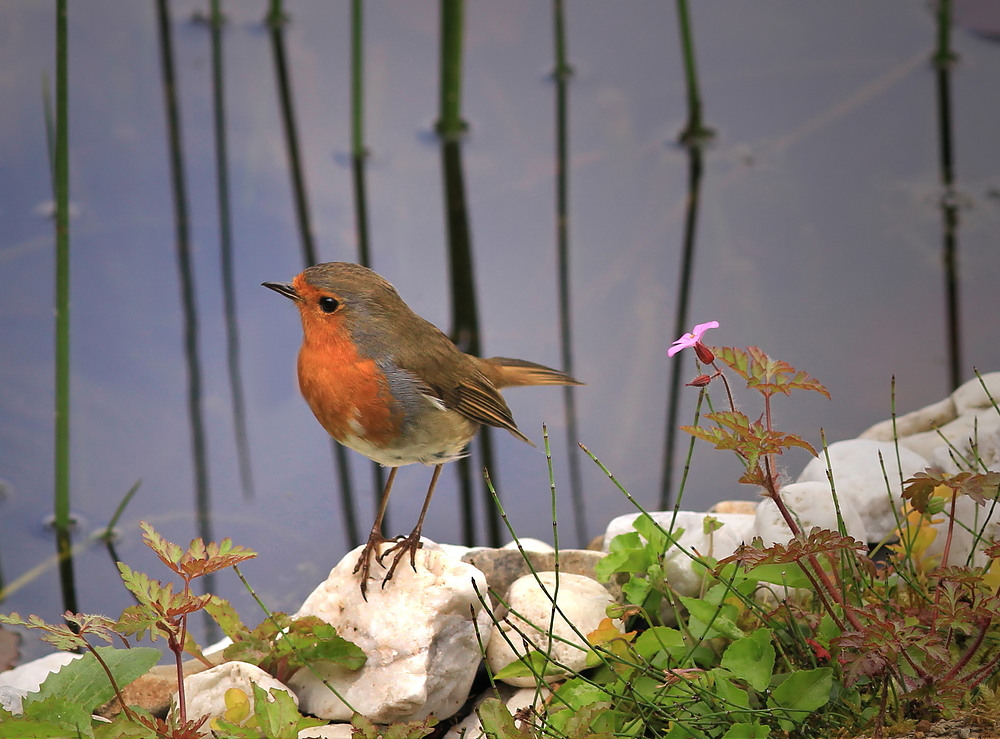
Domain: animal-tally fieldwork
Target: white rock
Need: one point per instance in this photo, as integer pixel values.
(860, 481)
(581, 600)
(205, 692)
(28, 678)
(518, 700)
(735, 506)
(812, 505)
(974, 523)
(970, 396)
(330, 731)
(965, 418)
(914, 422)
(11, 699)
(678, 567)
(529, 545)
(979, 429)
(418, 633)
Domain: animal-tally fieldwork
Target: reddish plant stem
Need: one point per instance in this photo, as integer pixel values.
(114, 685)
(969, 652)
(951, 529)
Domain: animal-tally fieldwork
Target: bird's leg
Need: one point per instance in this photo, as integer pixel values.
(375, 538)
(410, 543)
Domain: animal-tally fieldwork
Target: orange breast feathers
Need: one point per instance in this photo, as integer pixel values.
(347, 393)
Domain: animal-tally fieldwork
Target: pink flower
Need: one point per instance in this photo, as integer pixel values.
(692, 339)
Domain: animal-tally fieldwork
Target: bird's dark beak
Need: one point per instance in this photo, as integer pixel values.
(283, 288)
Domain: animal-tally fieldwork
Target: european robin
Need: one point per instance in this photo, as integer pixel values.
(390, 385)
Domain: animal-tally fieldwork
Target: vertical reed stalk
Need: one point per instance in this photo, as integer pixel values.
(562, 74)
(693, 138)
(695, 130)
(62, 378)
(359, 156)
(944, 58)
(275, 21)
(215, 22)
(185, 271)
(465, 313)
(450, 124)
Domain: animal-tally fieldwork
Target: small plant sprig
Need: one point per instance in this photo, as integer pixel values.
(162, 612)
(756, 442)
(280, 645)
(862, 644)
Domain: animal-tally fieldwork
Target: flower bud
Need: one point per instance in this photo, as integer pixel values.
(700, 381)
(705, 355)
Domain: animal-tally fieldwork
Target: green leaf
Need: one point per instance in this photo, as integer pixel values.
(658, 539)
(714, 619)
(84, 682)
(532, 664)
(752, 659)
(23, 727)
(637, 590)
(789, 574)
(626, 554)
(657, 639)
(802, 692)
(497, 721)
(747, 731)
(576, 693)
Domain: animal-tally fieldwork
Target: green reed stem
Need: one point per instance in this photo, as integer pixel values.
(357, 79)
(562, 74)
(695, 131)
(450, 124)
(62, 438)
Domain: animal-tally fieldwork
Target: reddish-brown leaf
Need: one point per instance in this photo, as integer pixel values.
(766, 375)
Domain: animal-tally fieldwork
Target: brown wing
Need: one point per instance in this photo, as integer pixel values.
(454, 378)
(478, 399)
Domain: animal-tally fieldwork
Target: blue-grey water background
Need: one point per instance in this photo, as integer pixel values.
(819, 239)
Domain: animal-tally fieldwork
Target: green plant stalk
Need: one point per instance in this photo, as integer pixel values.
(450, 124)
(562, 74)
(62, 306)
(695, 131)
(357, 80)
(555, 542)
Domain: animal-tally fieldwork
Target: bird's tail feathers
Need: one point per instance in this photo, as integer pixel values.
(507, 372)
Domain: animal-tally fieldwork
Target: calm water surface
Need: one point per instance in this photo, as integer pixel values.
(818, 239)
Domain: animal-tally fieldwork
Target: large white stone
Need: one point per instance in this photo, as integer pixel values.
(418, 633)
(861, 482)
(976, 527)
(517, 701)
(205, 692)
(811, 504)
(964, 419)
(678, 567)
(579, 599)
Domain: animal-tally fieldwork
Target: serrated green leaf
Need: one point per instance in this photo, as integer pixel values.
(73, 717)
(22, 727)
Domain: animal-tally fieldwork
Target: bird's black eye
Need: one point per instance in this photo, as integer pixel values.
(328, 304)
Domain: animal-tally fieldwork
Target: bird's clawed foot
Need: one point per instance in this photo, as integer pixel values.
(401, 545)
(370, 552)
